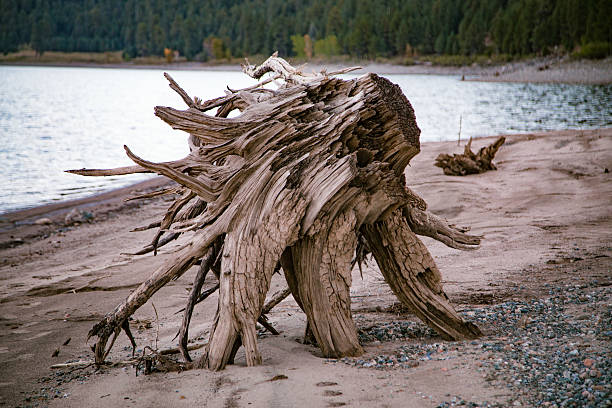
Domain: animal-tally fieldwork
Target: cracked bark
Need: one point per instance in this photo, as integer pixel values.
(304, 175)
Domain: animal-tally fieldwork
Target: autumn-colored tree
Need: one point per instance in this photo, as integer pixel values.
(169, 55)
(308, 48)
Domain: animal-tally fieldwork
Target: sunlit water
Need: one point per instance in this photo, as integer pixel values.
(53, 119)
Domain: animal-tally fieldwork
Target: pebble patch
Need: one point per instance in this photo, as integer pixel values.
(551, 352)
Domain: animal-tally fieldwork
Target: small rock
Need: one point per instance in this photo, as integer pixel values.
(76, 216)
(43, 221)
(332, 393)
(72, 217)
(594, 373)
(588, 362)
(326, 384)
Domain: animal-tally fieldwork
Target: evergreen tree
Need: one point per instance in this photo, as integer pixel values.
(362, 28)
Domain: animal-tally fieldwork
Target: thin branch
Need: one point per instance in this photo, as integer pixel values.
(169, 217)
(210, 257)
(343, 71)
(150, 248)
(202, 297)
(152, 194)
(181, 92)
(126, 327)
(155, 224)
(119, 171)
(258, 85)
(195, 185)
(430, 225)
(157, 321)
(276, 299)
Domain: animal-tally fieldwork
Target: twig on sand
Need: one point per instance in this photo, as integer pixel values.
(87, 363)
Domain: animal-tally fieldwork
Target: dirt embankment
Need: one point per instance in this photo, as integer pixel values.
(539, 287)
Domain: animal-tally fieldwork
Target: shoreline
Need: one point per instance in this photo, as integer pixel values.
(115, 197)
(537, 70)
(53, 210)
(543, 265)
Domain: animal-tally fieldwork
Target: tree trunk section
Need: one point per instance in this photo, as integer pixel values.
(321, 274)
(412, 274)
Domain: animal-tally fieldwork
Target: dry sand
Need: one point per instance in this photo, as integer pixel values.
(545, 214)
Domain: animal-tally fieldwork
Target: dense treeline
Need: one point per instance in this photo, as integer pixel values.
(204, 29)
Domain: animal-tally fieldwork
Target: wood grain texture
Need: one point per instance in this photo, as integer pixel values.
(307, 175)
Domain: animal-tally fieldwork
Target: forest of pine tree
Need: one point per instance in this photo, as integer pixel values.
(208, 29)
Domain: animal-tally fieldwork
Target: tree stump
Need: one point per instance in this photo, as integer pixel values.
(302, 176)
(468, 162)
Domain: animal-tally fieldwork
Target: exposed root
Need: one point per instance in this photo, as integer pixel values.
(310, 175)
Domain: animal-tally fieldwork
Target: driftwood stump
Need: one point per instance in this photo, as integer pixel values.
(468, 162)
(306, 176)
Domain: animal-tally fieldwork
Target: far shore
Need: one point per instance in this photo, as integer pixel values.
(537, 70)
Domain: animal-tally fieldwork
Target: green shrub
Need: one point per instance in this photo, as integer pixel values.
(408, 61)
(327, 47)
(593, 50)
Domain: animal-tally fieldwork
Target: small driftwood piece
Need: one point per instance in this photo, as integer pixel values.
(164, 352)
(311, 176)
(468, 162)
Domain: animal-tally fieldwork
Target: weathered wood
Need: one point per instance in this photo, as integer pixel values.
(205, 266)
(276, 299)
(430, 225)
(304, 175)
(322, 271)
(173, 268)
(468, 162)
(414, 277)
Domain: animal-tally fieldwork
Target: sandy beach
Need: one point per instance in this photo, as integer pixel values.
(538, 287)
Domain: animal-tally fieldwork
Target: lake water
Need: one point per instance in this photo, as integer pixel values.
(53, 119)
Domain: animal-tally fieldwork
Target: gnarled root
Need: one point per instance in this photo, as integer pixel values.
(430, 225)
(413, 276)
(173, 268)
(319, 269)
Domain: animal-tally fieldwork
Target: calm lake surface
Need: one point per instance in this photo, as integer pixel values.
(53, 119)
